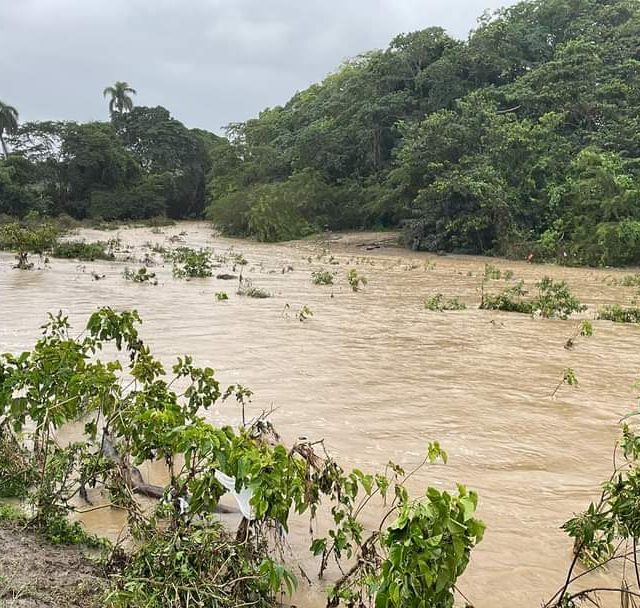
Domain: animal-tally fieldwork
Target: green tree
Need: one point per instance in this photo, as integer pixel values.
(120, 97)
(8, 124)
(162, 145)
(94, 159)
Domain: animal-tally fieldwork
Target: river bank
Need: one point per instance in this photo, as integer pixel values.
(36, 574)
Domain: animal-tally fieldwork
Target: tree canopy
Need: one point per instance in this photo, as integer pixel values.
(120, 97)
(524, 138)
(140, 164)
(8, 124)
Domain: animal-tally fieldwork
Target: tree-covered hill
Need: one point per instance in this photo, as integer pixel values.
(525, 137)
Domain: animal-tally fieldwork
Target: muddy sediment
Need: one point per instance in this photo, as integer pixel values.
(36, 574)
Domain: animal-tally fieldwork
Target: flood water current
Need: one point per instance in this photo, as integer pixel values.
(378, 376)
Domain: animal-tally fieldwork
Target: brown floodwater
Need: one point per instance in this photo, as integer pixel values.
(378, 376)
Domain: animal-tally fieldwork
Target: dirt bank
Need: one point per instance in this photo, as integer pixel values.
(34, 573)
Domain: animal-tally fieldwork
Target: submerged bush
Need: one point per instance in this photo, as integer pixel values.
(438, 303)
(628, 280)
(142, 275)
(191, 263)
(509, 300)
(246, 288)
(355, 280)
(322, 277)
(79, 250)
(553, 300)
(619, 314)
(25, 240)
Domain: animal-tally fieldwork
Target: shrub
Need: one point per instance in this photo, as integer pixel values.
(555, 300)
(491, 272)
(221, 296)
(11, 513)
(142, 275)
(302, 314)
(509, 300)
(619, 314)
(193, 567)
(237, 259)
(438, 303)
(189, 263)
(628, 280)
(322, 277)
(182, 556)
(80, 250)
(246, 288)
(17, 471)
(24, 241)
(355, 280)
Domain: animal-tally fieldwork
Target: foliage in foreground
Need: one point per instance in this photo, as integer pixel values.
(607, 533)
(182, 556)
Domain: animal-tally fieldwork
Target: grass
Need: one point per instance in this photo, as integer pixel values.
(11, 514)
(628, 280)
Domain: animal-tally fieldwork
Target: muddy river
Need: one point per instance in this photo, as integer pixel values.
(378, 376)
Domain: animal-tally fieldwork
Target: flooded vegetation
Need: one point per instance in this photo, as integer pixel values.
(324, 416)
(527, 421)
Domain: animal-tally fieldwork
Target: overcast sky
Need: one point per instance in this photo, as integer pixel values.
(210, 62)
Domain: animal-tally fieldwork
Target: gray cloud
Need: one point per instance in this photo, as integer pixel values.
(210, 62)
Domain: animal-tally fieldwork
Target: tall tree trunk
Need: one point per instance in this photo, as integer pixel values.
(4, 146)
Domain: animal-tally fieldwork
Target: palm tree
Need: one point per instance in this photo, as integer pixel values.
(8, 124)
(120, 100)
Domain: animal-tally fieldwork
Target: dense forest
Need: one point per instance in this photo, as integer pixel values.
(142, 163)
(525, 138)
